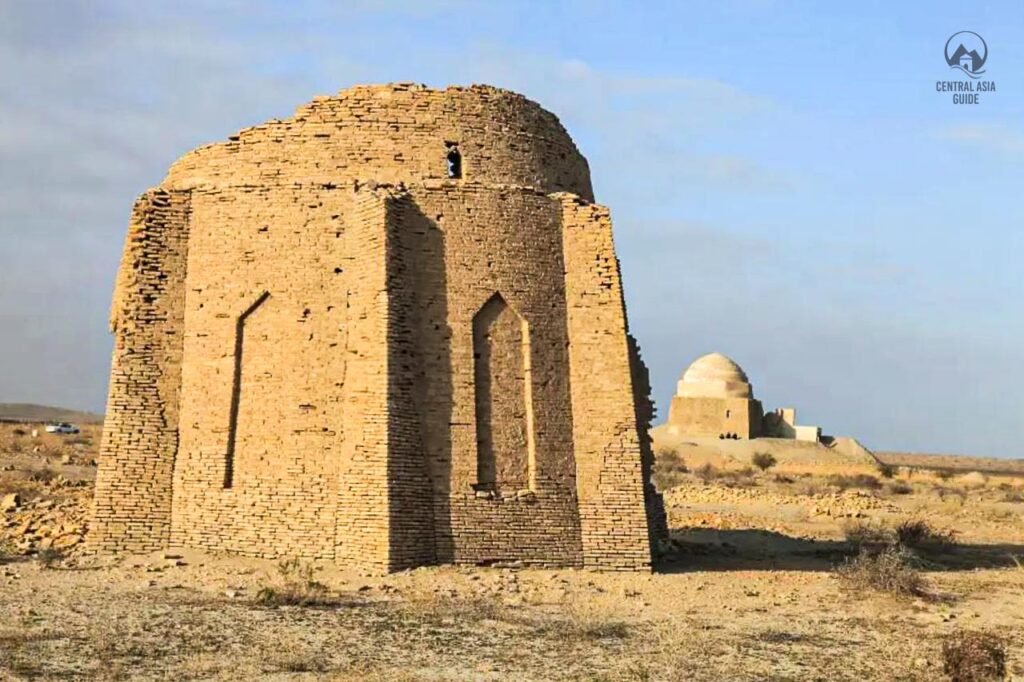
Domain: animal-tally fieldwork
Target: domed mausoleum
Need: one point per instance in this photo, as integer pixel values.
(714, 399)
(388, 330)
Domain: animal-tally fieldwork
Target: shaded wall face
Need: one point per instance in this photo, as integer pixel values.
(493, 373)
(263, 372)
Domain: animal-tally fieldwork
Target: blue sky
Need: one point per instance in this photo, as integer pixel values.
(786, 184)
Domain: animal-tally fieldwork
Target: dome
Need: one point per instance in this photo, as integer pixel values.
(399, 133)
(714, 376)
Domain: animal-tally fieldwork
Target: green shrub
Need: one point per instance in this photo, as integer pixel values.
(886, 470)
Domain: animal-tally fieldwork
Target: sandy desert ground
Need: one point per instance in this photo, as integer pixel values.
(747, 590)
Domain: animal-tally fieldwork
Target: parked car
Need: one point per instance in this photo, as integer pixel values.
(61, 427)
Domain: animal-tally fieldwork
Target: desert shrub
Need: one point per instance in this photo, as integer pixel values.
(886, 470)
(919, 533)
(946, 491)
(740, 478)
(19, 431)
(1014, 496)
(44, 475)
(782, 478)
(50, 557)
(865, 534)
(892, 570)
(297, 587)
(763, 460)
(706, 472)
(900, 488)
(864, 481)
(970, 656)
(943, 474)
(669, 468)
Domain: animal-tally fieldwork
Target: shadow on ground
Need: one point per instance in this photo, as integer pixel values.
(707, 549)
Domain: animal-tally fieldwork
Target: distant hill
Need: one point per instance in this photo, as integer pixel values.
(27, 412)
(954, 463)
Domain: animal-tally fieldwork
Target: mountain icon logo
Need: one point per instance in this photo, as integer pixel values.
(967, 51)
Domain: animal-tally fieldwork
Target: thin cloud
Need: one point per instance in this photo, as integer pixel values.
(991, 137)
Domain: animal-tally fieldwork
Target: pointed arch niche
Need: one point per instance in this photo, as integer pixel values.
(504, 400)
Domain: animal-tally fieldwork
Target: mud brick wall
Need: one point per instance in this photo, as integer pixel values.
(261, 428)
(610, 470)
(478, 245)
(396, 134)
(715, 417)
(132, 509)
(360, 358)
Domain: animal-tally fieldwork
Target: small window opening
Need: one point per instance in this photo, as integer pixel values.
(454, 160)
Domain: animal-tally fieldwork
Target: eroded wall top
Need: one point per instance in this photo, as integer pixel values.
(397, 133)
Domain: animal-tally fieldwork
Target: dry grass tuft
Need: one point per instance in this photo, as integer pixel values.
(590, 620)
(892, 570)
(970, 656)
(297, 587)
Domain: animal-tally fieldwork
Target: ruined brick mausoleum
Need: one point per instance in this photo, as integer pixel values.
(389, 331)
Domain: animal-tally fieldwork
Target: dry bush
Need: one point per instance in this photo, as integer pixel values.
(1014, 496)
(900, 488)
(763, 460)
(50, 557)
(919, 533)
(868, 534)
(669, 469)
(958, 494)
(297, 587)
(707, 472)
(970, 656)
(44, 475)
(886, 470)
(892, 570)
(863, 481)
